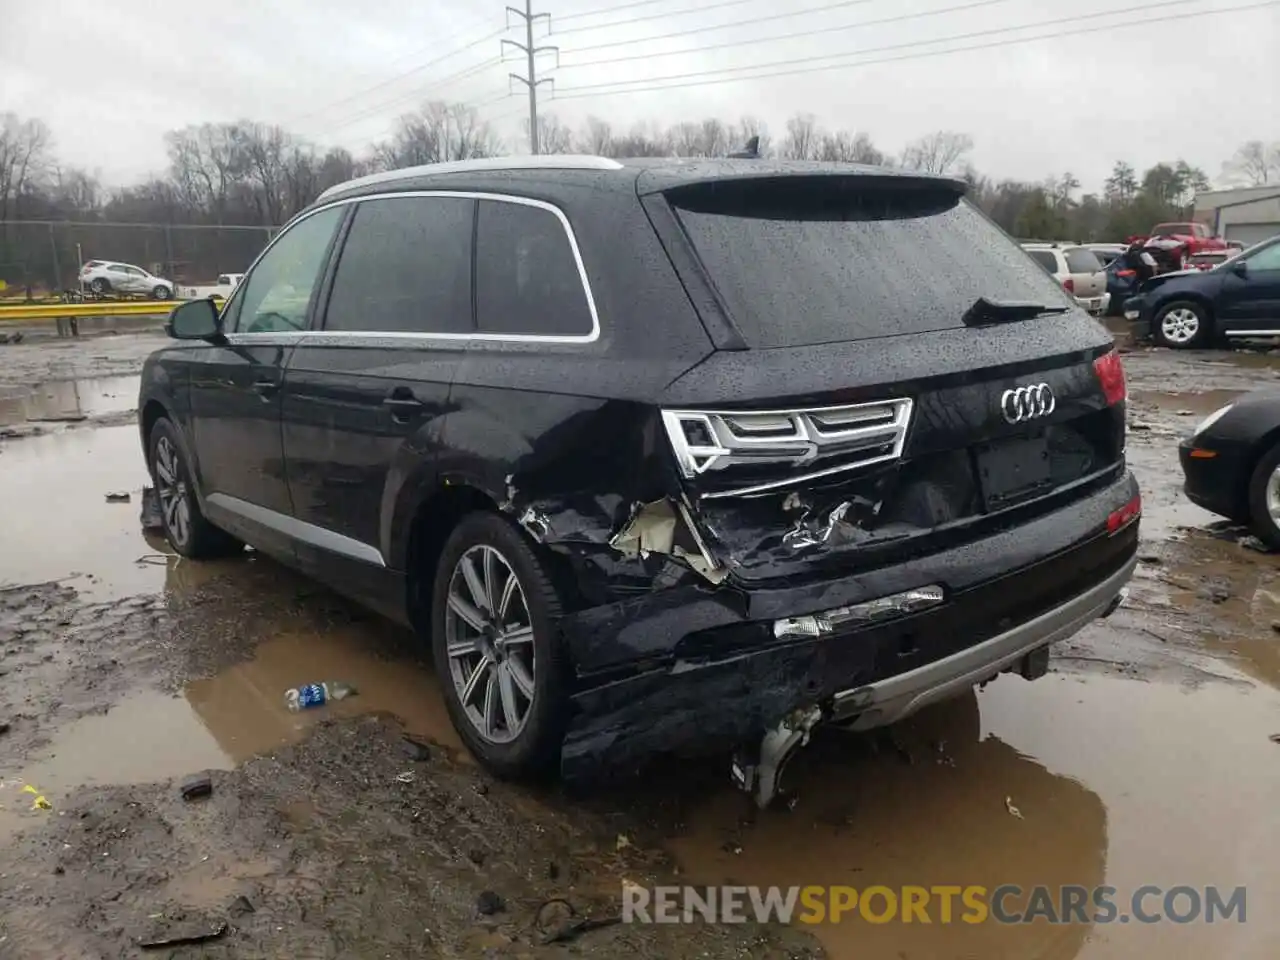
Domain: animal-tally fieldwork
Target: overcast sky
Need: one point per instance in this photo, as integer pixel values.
(110, 78)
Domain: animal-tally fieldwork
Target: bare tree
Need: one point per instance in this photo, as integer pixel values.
(596, 137)
(264, 153)
(801, 141)
(938, 152)
(436, 133)
(846, 147)
(1254, 164)
(24, 160)
(686, 140)
(206, 165)
(553, 136)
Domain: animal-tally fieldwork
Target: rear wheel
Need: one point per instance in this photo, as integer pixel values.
(493, 617)
(160, 292)
(1264, 498)
(1182, 325)
(100, 285)
(185, 527)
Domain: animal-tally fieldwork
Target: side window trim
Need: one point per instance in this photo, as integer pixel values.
(315, 331)
(318, 308)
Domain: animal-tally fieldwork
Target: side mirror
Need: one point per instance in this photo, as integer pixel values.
(195, 320)
(1240, 268)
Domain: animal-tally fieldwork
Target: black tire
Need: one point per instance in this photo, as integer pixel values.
(100, 286)
(534, 751)
(1261, 517)
(1182, 325)
(160, 292)
(194, 536)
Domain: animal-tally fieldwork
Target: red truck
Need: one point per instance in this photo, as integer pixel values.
(1196, 237)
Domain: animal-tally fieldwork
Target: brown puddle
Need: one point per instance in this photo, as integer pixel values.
(219, 722)
(1119, 782)
(55, 517)
(68, 400)
(1201, 403)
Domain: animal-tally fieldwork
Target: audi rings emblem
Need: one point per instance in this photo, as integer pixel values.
(1027, 403)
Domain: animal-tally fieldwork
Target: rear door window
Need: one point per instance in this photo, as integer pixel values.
(1046, 258)
(528, 281)
(405, 268)
(1080, 260)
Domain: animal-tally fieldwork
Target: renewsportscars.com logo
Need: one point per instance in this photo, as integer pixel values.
(1006, 904)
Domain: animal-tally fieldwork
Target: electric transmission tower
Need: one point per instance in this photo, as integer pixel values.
(530, 52)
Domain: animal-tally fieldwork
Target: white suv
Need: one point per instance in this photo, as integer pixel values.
(108, 276)
(1079, 271)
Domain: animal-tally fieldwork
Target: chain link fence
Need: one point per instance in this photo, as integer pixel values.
(45, 257)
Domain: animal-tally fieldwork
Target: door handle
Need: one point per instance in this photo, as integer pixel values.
(402, 403)
(266, 387)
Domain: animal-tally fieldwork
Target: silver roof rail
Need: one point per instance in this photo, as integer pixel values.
(554, 161)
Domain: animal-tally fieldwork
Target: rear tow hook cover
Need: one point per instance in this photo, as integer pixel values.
(760, 774)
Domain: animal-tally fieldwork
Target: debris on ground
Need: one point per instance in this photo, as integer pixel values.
(623, 842)
(5, 726)
(1151, 559)
(39, 803)
(183, 933)
(1214, 593)
(151, 517)
(316, 695)
(118, 497)
(1253, 543)
(489, 903)
(239, 907)
(558, 922)
(416, 750)
(1014, 811)
(197, 786)
(405, 777)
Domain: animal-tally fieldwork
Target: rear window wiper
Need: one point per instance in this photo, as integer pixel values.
(984, 312)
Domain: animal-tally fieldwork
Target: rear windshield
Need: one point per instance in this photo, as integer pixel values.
(1172, 229)
(814, 260)
(1080, 260)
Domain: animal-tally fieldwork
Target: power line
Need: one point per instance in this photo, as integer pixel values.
(400, 76)
(416, 94)
(618, 8)
(1146, 7)
(531, 52)
(662, 16)
(819, 31)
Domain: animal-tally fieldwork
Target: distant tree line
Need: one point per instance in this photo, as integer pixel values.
(256, 173)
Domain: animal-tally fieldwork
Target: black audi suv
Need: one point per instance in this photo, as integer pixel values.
(660, 455)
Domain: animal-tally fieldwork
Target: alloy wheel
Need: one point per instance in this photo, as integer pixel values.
(1180, 325)
(1273, 496)
(489, 644)
(175, 504)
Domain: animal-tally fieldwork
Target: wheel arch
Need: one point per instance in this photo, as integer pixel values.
(1260, 447)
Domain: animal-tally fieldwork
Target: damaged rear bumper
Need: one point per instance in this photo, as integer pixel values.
(696, 668)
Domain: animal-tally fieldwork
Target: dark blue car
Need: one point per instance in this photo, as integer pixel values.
(1192, 308)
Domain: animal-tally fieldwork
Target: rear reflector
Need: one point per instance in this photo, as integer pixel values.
(1111, 377)
(1069, 284)
(1199, 454)
(1119, 519)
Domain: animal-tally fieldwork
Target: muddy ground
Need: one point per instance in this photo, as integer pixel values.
(362, 829)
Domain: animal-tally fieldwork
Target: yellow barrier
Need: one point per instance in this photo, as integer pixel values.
(26, 312)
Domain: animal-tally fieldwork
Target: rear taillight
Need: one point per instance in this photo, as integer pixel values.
(1126, 273)
(1111, 377)
(1069, 285)
(1119, 519)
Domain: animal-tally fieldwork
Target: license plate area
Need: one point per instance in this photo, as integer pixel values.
(1012, 470)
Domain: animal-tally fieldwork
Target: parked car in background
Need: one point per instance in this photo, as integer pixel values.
(1079, 271)
(620, 440)
(1192, 308)
(1231, 463)
(1208, 259)
(109, 276)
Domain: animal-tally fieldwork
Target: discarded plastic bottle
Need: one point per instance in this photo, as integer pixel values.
(316, 695)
